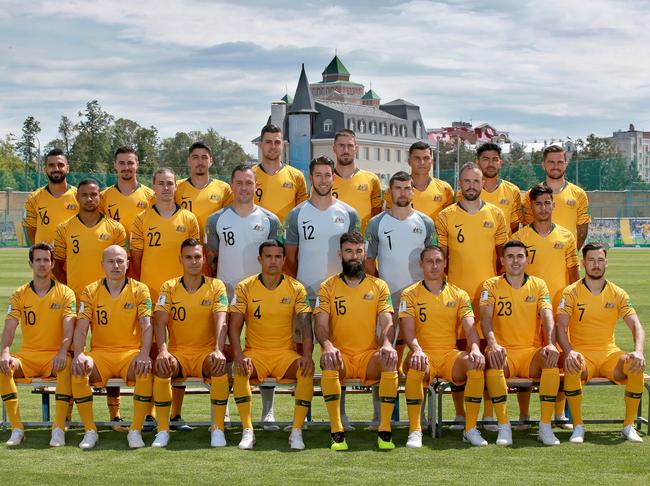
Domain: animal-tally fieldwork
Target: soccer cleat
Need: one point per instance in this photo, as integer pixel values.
(346, 423)
(58, 437)
(414, 440)
(119, 428)
(161, 440)
(505, 435)
(338, 442)
(473, 436)
(149, 424)
(134, 438)
(247, 441)
(578, 436)
(522, 427)
(90, 440)
(493, 427)
(295, 440)
(217, 438)
(546, 435)
(269, 422)
(17, 438)
(385, 441)
(630, 433)
(459, 426)
(180, 425)
(565, 425)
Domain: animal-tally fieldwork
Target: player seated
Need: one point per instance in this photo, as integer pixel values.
(117, 309)
(430, 311)
(193, 309)
(268, 303)
(510, 306)
(46, 312)
(348, 308)
(586, 323)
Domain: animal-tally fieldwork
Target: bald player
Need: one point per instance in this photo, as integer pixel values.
(53, 204)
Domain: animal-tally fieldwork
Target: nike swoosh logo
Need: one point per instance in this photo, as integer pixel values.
(337, 297)
(226, 228)
(74, 236)
(457, 225)
(174, 303)
(386, 232)
(308, 221)
(581, 304)
(111, 205)
(152, 228)
(28, 306)
(44, 207)
(100, 306)
(185, 197)
(421, 303)
(501, 298)
(257, 300)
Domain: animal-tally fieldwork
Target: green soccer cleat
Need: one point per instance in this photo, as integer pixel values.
(385, 441)
(338, 442)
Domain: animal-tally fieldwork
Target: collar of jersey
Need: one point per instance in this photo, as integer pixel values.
(584, 282)
(566, 183)
(282, 166)
(158, 212)
(189, 181)
(442, 287)
(52, 284)
(118, 188)
(533, 228)
(461, 207)
(356, 170)
(526, 277)
(126, 281)
(47, 188)
(200, 285)
(342, 277)
(259, 277)
(101, 216)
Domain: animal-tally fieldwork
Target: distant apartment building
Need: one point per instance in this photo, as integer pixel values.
(635, 146)
(468, 134)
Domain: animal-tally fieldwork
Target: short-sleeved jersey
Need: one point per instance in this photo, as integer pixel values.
(470, 240)
(280, 192)
(41, 318)
(571, 208)
(237, 239)
(515, 316)
(191, 323)
(362, 191)
(81, 248)
(437, 317)
(115, 322)
(396, 244)
(316, 233)
(45, 212)
(436, 197)
(269, 313)
(159, 239)
(593, 318)
(203, 202)
(549, 257)
(507, 197)
(353, 311)
(125, 209)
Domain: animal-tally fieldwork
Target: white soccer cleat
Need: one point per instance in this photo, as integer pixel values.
(17, 438)
(161, 440)
(269, 422)
(461, 426)
(630, 433)
(134, 438)
(546, 435)
(217, 438)
(247, 441)
(90, 440)
(295, 440)
(347, 427)
(414, 440)
(58, 437)
(566, 425)
(490, 427)
(578, 436)
(505, 435)
(473, 436)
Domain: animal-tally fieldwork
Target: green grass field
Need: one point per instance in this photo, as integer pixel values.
(189, 459)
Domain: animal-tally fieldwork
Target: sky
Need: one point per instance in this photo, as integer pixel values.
(538, 70)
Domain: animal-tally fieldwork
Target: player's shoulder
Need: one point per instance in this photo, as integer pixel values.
(185, 214)
(536, 281)
(576, 190)
(563, 232)
(411, 289)
(62, 289)
(107, 191)
(330, 281)
(494, 281)
(293, 283)
(366, 175)
(574, 287)
(616, 289)
(297, 209)
(423, 217)
(137, 286)
(492, 208)
(269, 214)
(343, 205)
(451, 210)
(373, 223)
(441, 185)
(377, 282)
(112, 224)
(456, 290)
(22, 289)
(510, 186)
(171, 283)
(93, 287)
(295, 173)
(248, 281)
(214, 217)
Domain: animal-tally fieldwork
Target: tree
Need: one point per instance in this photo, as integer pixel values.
(68, 133)
(11, 166)
(124, 131)
(146, 145)
(91, 151)
(519, 169)
(26, 146)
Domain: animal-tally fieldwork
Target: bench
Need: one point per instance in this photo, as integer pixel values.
(440, 387)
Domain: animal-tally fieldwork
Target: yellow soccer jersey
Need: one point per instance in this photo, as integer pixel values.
(41, 318)
(437, 317)
(353, 311)
(269, 313)
(159, 239)
(470, 240)
(203, 202)
(549, 257)
(571, 208)
(81, 248)
(515, 317)
(507, 197)
(191, 323)
(362, 191)
(593, 318)
(125, 209)
(282, 191)
(437, 196)
(45, 212)
(115, 323)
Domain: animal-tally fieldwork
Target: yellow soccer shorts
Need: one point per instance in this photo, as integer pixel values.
(35, 364)
(113, 364)
(272, 363)
(519, 361)
(356, 365)
(601, 364)
(441, 364)
(190, 363)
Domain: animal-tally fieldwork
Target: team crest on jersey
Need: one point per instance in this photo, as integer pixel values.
(437, 198)
(558, 245)
(55, 306)
(215, 197)
(161, 300)
(488, 224)
(142, 204)
(257, 227)
(417, 230)
(206, 302)
(71, 206)
(484, 295)
(609, 305)
(129, 305)
(181, 228)
(504, 202)
(402, 306)
(285, 300)
(562, 304)
(570, 202)
(451, 303)
(369, 296)
(104, 237)
(287, 185)
(362, 187)
(530, 298)
(339, 220)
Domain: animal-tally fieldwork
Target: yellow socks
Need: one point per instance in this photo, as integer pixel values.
(633, 393)
(573, 392)
(560, 402)
(142, 400)
(549, 384)
(219, 392)
(83, 397)
(331, 387)
(162, 399)
(304, 394)
(9, 394)
(63, 396)
(414, 397)
(498, 390)
(387, 397)
(243, 397)
(473, 392)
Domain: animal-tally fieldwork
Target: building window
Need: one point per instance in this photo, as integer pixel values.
(402, 131)
(351, 125)
(366, 153)
(362, 126)
(387, 154)
(373, 127)
(418, 130)
(383, 129)
(378, 154)
(398, 154)
(393, 130)
(327, 125)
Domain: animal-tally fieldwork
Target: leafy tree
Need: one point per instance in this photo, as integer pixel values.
(91, 151)
(26, 146)
(146, 145)
(11, 166)
(68, 133)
